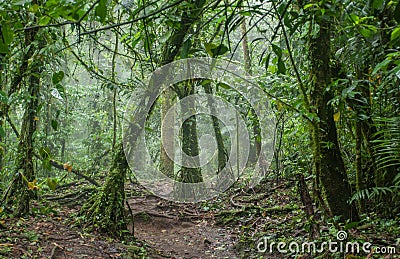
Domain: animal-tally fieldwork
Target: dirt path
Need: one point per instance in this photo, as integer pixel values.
(168, 230)
(180, 230)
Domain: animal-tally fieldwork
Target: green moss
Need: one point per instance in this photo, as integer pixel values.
(105, 210)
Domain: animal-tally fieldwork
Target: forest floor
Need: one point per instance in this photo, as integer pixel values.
(229, 226)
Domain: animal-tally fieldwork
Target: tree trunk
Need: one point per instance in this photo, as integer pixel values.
(189, 16)
(359, 173)
(167, 163)
(105, 210)
(222, 156)
(19, 192)
(329, 164)
(190, 144)
(247, 68)
(2, 113)
(171, 49)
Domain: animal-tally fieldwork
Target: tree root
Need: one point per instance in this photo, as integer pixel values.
(227, 216)
(254, 197)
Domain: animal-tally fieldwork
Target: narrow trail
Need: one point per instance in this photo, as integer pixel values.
(163, 229)
(180, 230)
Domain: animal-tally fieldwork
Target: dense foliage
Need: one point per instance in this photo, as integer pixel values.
(330, 70)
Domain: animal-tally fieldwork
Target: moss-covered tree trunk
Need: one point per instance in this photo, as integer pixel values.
(190, 145)
(329, 164)
(105, 210)
(23, 186)
(189, 15)
(253, 116)
(222, 156)
(167, 163)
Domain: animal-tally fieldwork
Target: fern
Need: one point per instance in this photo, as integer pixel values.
(387, 146)
(374, 192)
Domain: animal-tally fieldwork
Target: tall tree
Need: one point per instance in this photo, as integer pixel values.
(329, 165)
(24, 184)
(188, 15)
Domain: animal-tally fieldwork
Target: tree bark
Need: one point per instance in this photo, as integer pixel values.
(247, 68)
(328, 161)
(222, 156)
(171, 49)
(19, 191)
(190, 145)
(105, 210)
(167, 163)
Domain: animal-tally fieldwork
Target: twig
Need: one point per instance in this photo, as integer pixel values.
(12, 125)
(133, 20)
(76, 172)
(46, 26)
(154, 214)
(233, 201)
(52, 162)
(53, 251)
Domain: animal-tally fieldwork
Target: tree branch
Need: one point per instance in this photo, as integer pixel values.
(76, 172)
(12, 124)
(296, 71)
(133, 20)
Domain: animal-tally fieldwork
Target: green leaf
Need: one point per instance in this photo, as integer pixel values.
(380, 66)
(3, 48)
(215, 50)
(366, 33)
(354, 18)
(34, 8)
(52, 183)
(20, 2)
(395, 34)
(44, 152)
(101, 10)
(54, 125)
(223, 85)
(209, 47)
(351, 225)
(7, 34)
(44, 20)
(368, 30)
(266, 61)
(281, 67)
(277, 50)
(307, 6)
(57, 77)
(220, 50)
(46, 164)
